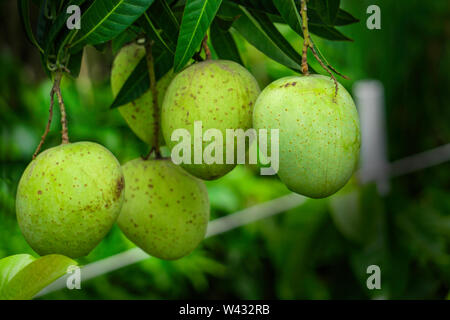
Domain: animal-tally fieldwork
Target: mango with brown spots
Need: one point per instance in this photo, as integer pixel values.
(166, 210)
(319, 137)
(219, 93)
(69, 197)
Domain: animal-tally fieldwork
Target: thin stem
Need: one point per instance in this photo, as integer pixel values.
(49, 122)
(154, 90)
(328, 70)
(306, 37)
(62, 109)
(326, 62)
(308, 44)
(337, 72)
(206, 48)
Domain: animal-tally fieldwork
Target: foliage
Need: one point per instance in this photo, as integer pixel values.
(105, 21)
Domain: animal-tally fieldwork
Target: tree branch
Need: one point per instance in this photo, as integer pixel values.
(64, 129)
(206, 48)
(49, 122)
(154, 90)
(306, 37)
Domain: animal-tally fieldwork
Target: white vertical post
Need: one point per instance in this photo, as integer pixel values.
(374, 164)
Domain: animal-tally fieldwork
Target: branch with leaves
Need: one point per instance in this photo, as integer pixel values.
(308, 44)
(178, 31)
(56, 89)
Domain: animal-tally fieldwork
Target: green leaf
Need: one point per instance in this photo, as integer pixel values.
(162, 26)
(266, 6)
(289, 10)
(256, 35)
(122, 39)
(157, 35)
(59, 24)
(327, 32)
(224, 44)
(53, 38)
(136, 84)
(290, 14)
(34, 276)
(276, 36)
(23, 6)
(165, 19)
(105, 19)
(224, 23)
(139, 82)
(197, 17)
(344, 18)
(42, 24)
(11, 265)
(327, 9)
(74, 64)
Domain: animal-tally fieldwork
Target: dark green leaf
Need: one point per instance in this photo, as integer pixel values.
(224, 44)
(139, 82)
(197, 17)
(164, 18)
(123, 38)
(344, 18)
(256, 35)
(272, 32)
(328, 32)
(289, 10)
(100, 46)
(327, 9)
(157, 35)
(23, 7)
(292, 17)
(136, 84)
(266, 6)
(104, 20)
(290, 14)
(74, 64)
(224, 23)
(42, 25)
(56, 29)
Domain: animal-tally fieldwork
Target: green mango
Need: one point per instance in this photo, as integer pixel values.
(219, 93)
(69, 197)
(139, 113)
(319, 137)
(166, 210)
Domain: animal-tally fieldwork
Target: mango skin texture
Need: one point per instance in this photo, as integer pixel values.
(166, 210)
(68, 198)
(219, 93)
(319, 139)
(138, 114)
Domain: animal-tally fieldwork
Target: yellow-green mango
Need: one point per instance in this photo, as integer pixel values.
(219, 93)
(69, 197)
(166, 210)
(319, 137)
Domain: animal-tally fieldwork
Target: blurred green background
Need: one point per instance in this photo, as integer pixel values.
(320, 250)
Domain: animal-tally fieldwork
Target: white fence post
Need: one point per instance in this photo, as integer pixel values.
(374, 164)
